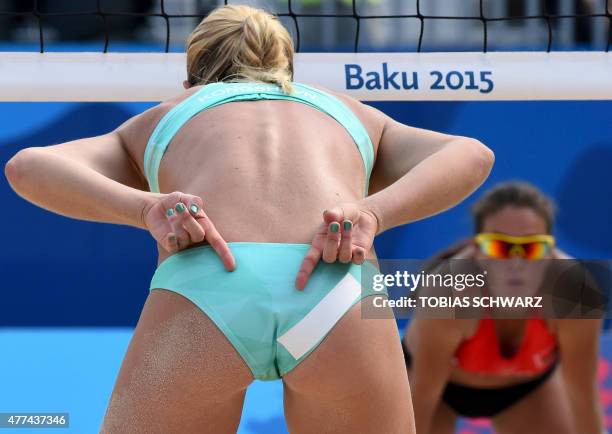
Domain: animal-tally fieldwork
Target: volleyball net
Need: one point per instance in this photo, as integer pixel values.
(386, 52)
(414, 25)
(377, 49)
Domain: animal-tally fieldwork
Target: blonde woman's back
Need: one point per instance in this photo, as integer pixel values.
(265, 169)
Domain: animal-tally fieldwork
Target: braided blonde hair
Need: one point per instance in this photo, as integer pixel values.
(235, 43)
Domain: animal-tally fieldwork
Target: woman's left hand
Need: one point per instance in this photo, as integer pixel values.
(346, 235)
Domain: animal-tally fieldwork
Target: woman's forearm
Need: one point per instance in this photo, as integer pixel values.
(67, 187)
(437, 183)
(424, 409)
(583, 396)
(586, 408)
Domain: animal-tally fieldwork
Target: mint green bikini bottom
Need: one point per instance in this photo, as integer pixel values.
(271, 324)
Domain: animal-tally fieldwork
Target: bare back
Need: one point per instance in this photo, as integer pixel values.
(265, 170)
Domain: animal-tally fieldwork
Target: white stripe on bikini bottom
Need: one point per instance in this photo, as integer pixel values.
(300, 338)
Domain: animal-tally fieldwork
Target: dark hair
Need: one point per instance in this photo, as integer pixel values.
(514, 193)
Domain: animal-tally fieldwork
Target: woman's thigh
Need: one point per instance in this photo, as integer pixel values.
(543, 411)
(180, 374)
(354, 382)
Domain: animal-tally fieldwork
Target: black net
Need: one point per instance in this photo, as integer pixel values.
(318, 25)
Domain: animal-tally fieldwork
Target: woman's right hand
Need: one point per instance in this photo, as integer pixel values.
(177, 220)
(346, 235)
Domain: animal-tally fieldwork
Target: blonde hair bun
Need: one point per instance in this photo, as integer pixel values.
(240, 43)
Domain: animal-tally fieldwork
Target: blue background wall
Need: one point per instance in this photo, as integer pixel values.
(60, 272)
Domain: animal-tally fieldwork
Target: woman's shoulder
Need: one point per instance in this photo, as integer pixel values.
(444, 330)
(169, 104)
(136, 130)
(372, 119)
(438, 337)
(353, 103)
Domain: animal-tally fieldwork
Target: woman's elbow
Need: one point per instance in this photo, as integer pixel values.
(482, 159)
(19, 168)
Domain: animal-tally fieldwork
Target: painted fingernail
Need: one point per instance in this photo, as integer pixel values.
(172, 237)
(334, 227)
(170, 212)
(347, 224)
(180, 207)
(194, 208)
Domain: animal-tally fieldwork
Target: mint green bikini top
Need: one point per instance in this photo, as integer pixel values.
(215, 94)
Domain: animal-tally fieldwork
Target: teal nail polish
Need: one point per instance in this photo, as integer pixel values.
(172, 237)
(170, 212)
(194, 208)
(180, 207)
(347, 224)
(334, 227)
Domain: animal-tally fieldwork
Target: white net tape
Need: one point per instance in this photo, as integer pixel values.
(366, 76)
